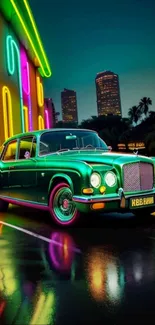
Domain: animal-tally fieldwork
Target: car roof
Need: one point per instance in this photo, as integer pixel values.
(40, 132)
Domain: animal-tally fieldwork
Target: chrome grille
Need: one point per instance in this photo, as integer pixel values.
(137, 177)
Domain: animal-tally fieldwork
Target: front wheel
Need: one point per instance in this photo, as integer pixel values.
(3, 206)
(61, 206)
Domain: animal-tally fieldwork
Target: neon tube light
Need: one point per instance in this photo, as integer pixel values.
(29, 99)
(1, 227)
(26, 118)
(40, 92)
(28, 78)
(41, 123)
(46, 74)
(11, 49)
(47, 119)
(25, 72)
(7, 112)
(26, 83)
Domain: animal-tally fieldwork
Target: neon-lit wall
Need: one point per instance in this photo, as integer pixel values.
(21, 87)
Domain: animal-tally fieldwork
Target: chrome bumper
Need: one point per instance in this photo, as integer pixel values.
(110, 197)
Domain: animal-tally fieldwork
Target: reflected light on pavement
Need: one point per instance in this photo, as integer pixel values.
(43, 312)
(61, 251)
(96, 274)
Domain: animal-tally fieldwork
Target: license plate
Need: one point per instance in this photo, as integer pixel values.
(142, 201)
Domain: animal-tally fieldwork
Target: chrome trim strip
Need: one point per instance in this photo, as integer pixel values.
(89, 200)
(24, 203)
(139, 195)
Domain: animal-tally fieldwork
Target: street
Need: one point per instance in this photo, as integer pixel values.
(101, 272)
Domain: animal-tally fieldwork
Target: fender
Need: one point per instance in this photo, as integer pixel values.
(61, 175)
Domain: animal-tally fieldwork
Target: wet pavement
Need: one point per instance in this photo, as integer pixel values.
(101, 272)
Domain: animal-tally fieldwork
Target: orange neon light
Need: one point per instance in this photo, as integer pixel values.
(26, 118)
(40, 92)
(7, 112)
(41, 123)
(1, 227)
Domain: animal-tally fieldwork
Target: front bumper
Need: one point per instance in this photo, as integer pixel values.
(96, 198)
(118, 201)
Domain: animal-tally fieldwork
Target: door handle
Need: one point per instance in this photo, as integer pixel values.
(11, 167)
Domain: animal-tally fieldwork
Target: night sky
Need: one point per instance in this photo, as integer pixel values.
(82, 38)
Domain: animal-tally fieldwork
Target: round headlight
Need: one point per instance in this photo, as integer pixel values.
(95, 180)
(110, 179)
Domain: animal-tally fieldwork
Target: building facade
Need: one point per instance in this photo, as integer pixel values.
(69, 106)
(108, 93)
(50, 114)
(23, 65)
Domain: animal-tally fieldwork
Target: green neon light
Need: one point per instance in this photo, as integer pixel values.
(11, 48)
(46, 74)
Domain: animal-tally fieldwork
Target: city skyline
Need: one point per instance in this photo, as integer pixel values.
(95, 38)
(107, 97)
(108, 93)
(69, 105)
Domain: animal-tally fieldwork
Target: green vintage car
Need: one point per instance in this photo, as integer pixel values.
(72, 171)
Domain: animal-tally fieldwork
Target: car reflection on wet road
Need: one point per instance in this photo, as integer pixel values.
(104, 274)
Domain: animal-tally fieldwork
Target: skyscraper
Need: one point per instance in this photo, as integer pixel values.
(108, 93)
(50, 113)
(69, 106)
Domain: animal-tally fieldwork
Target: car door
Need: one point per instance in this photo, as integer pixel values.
(7, 162)
(22, 176)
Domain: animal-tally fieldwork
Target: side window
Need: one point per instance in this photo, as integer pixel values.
(27, 148)
(10, 153)
(1, 150)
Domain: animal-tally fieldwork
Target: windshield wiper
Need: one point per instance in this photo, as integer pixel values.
(89, 148)
(62, 150)
(99, 148)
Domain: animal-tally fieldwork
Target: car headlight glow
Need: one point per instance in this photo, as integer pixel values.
(95, 180)
(110, 179)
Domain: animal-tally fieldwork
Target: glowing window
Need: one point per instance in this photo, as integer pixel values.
(10, 152)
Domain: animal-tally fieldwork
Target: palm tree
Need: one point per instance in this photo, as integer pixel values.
(134, 114)
(144, 104)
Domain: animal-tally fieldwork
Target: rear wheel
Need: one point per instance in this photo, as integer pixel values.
(3, 206)
(62, 208)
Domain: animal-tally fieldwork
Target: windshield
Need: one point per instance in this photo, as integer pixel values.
(51, 142)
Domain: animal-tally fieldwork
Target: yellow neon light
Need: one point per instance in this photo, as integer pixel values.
(7, 112)
(29, 37)
(26, 118)
(36, 32)
(40, 92)
(41, 123)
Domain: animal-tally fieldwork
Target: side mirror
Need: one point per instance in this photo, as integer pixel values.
(109, 148)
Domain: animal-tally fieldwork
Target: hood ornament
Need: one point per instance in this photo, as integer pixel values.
(135, 152)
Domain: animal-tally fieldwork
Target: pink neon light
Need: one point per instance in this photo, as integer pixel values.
(26, 83)
(28, 78)
(25, 72)
(47, 119)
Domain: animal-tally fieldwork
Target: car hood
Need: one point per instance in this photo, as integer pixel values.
(99, 157)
